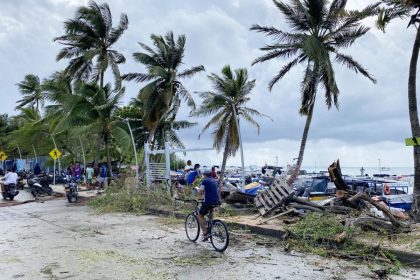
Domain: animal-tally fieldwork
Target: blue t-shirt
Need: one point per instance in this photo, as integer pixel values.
(191, 176)
(211, 192)
(103, 171)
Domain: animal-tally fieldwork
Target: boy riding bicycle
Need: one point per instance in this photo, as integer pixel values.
(209, 188)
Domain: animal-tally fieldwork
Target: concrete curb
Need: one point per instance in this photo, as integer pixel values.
(407, 258)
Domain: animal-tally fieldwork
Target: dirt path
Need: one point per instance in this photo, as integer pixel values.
(53, 240)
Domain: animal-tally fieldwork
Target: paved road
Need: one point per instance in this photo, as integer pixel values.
(55, 240)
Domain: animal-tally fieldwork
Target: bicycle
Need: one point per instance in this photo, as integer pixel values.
(216, 229)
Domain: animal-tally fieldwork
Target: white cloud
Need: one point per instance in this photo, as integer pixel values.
(373, 119)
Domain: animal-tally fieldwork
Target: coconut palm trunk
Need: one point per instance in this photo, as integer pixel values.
(225, 156)
(108, 158)
(415, 127)
(302, 146)
(97, 150)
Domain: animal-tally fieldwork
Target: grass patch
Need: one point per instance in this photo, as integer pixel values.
(318, 234)
(128, 199)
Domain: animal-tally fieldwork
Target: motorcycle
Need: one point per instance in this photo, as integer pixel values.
(71, 191)
(39, 185)
(20, 183)
(9, 191)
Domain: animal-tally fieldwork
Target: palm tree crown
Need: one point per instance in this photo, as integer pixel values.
(164, 89)
(88, 36)
(231, 92)
(318, 33)
(31, 89)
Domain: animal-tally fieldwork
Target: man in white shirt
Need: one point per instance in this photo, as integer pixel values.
(10, 178)
(188, 167)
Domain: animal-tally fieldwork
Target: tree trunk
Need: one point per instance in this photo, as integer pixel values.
(108, 158)
(151, 136)
(225, 156)
(415, 127)
(97, 151)
(302, 146)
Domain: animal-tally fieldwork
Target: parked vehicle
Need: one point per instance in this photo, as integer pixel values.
(39, 186)
(20, 183)
(71, 191)
(9, 191)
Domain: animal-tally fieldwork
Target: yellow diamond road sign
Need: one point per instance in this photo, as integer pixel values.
(2, 156)
(55, 153)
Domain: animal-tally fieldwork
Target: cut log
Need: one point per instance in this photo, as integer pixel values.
(276, 216)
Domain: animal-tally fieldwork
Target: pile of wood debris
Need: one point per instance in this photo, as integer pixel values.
(280, 200)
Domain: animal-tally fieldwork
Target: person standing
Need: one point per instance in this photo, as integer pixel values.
(213, 172)
(188, 167)
(89, 176)
(102, 175)
(77, 172)
(37, 169)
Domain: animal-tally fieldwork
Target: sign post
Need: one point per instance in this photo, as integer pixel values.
(55, 154)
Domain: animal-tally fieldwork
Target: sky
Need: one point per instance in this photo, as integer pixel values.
(370, 125)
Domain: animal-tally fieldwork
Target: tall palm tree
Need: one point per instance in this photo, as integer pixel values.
(31, 89)
(231, 93)
(319, 32)
(164, 77)
(402, 9)
(88, 42)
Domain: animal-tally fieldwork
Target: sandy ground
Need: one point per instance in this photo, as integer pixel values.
(55, 240)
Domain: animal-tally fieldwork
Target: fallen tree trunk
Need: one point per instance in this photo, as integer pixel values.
(380, 207)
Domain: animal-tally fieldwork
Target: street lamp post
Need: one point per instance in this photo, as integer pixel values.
(134, 148)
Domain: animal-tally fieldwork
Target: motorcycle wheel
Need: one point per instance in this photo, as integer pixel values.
(71, 198)
(11, 197)
(34, 193)
(49, 190)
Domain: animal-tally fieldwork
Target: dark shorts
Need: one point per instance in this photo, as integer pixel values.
(206, 208)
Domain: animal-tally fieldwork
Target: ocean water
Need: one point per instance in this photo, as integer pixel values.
(354, 171)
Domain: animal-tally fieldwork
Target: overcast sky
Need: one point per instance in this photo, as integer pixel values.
(372, 122)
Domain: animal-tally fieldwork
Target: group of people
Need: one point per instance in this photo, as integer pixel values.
(191, 173)
(76, 173)
(208, 189)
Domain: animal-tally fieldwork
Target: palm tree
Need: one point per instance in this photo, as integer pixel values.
(164, 88)
(224, 104)
(88, 42)
(168, 127)
(402, 9)
(319, 31)
(93, 112)
(31, 89)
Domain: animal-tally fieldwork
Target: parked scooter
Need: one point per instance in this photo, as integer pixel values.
(20, 184)
(71, 191)
(9, 191)
(39, 186)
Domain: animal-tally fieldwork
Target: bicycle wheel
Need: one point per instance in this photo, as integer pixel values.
(219, 236)
(192, 228)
